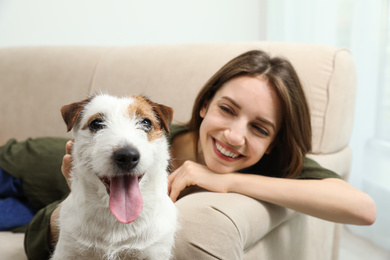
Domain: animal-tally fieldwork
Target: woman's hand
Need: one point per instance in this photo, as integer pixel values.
(67, 161)
(191, 173)
(65, 169)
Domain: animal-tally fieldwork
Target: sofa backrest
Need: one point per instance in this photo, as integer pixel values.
(36, 81)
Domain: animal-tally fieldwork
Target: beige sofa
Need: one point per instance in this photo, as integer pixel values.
(36, 81)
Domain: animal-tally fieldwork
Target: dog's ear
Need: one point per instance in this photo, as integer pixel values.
(71, 113)
(164, 114)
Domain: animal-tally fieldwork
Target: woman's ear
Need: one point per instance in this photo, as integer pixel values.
(203, 110)
(270, 147)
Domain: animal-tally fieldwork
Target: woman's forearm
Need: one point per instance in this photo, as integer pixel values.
(330, 199)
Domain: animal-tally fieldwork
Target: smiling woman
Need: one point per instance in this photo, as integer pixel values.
(251, 123)
(249, 134)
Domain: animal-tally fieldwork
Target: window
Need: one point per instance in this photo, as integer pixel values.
(383, 131)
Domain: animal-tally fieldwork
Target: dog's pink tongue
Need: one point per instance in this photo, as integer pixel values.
(125, 198)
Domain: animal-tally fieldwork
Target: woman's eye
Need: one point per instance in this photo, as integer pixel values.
(96, 124)
(146, 124)
(226, 109)
(260, 130)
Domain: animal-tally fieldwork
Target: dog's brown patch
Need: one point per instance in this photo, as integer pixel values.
(96, 116)
(140, 108)
(71, 113)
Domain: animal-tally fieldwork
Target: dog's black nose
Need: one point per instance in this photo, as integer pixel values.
(126, 158)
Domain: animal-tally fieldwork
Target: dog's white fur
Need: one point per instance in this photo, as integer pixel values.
(88, 230)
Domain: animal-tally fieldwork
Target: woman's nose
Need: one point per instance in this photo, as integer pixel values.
(235, 134)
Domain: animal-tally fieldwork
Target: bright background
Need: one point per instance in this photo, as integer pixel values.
(363, 26)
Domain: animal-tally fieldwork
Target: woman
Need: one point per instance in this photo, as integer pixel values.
(249, 133)
(255, 109)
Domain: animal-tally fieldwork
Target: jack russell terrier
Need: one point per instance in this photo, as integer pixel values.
(118, 207)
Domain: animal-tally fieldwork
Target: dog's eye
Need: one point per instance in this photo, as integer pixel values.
(96, 124)
(146, 124)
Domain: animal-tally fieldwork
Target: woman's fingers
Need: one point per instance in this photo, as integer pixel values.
(67, 161)
(66, 167)
(69, 146)
(173, 190)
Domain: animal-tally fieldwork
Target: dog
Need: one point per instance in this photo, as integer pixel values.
(118, 207)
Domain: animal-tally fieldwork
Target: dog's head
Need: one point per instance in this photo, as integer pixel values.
(121, 143)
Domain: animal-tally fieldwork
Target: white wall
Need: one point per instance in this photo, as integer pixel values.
(128, 22)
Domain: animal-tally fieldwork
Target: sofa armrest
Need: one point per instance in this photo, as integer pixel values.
(210, 226)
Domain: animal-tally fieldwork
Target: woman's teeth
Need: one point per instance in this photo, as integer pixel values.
(225, 152)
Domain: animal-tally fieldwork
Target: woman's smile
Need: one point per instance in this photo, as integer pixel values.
(224, 152)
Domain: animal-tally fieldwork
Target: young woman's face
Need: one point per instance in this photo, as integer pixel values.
(239, 124)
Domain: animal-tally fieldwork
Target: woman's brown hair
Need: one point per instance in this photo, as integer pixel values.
(293, 140)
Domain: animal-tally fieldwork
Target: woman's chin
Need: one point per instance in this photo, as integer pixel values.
(220, 168)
